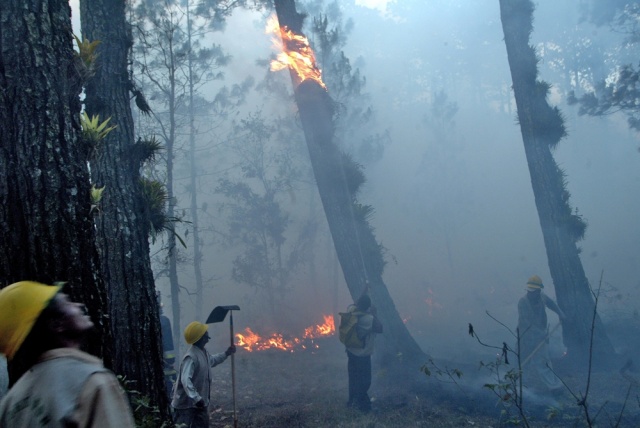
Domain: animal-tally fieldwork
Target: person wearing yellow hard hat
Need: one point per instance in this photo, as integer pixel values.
(534, 336)
(42, 330)
(191, 391)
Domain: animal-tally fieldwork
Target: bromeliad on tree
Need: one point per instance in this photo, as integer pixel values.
(96, 196)
(86, 59)
(94, 131)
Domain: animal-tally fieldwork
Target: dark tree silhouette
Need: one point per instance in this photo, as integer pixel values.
(123, 222)
(45, 221)
(542, 127)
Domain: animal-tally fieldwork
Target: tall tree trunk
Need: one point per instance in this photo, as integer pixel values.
(45, 221)
(356, 246)
(174, 286)
(542, 128)
(197, 245)
(172, 251)
(123, 226)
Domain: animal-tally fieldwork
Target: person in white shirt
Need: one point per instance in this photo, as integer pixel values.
(191, 391)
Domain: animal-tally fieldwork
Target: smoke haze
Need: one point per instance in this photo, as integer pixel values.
(453, 202)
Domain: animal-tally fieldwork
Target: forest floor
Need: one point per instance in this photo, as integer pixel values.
(309, 389)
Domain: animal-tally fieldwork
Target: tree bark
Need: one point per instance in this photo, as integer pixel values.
(122, 224)
(45, 221)
(159, 45)
(542, 127)
(193, 179)
(355, 244)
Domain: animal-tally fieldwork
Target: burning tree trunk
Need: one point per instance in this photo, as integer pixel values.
(542, 128)
(356, 246)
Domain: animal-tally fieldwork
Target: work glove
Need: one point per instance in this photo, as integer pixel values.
(230, 350)
(200, 403)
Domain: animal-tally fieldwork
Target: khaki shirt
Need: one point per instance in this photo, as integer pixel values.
(78, 391)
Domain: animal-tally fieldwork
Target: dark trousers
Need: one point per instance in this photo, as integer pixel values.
(192, 418)
(359, 369)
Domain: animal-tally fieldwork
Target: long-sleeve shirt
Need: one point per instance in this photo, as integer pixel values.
(194, 381)
(67, 387)
(532, 318)
(187, 371)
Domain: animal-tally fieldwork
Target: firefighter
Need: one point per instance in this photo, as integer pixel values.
(534, 337)
(359, 358)
(62, 385)
(191, 392)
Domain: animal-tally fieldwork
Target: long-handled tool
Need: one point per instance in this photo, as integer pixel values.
(537, 348)
(218, 314)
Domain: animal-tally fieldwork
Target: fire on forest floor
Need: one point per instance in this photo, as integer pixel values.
(309, 389)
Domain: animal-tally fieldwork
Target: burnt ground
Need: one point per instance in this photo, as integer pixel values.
(309, 389)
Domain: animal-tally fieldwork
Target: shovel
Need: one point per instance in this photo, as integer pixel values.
(218, 314)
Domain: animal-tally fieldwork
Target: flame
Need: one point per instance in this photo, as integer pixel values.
(326, 329)
(295, 53)
(251, 341)
(431, 303)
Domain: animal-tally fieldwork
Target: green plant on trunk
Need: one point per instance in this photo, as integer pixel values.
(87, 51)
(94, 131)
(86, 58)
(155, 195)
(145, 150)
(96, 197)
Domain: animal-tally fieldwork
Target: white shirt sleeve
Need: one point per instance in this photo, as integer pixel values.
(216, 359)
(185, 377)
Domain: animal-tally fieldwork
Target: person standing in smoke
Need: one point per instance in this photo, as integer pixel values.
(359, 359)
(191, 391)
(168, 351)
(534, 336)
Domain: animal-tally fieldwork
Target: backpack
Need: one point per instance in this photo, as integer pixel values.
(348, 329)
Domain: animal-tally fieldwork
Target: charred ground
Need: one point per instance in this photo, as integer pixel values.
(309, 389)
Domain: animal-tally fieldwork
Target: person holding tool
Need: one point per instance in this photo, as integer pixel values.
(534, 336)
(191, 391)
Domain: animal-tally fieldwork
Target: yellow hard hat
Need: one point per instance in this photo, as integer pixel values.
(534, 283)
(20, 306)
(194, 332)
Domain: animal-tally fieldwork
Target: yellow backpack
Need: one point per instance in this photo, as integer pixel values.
(348, 328)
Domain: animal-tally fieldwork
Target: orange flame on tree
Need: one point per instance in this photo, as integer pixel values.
(295, 53)
(251, 341)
